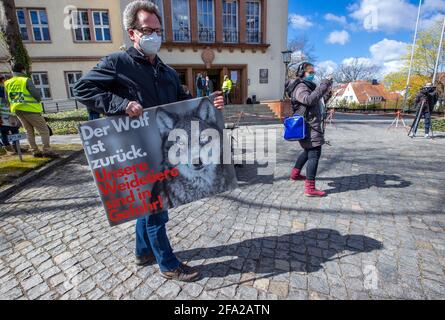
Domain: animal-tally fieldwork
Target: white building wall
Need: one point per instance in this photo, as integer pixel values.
(349, 91)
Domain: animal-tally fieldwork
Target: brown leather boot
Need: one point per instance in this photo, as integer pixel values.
(144, 260)
(182, 273)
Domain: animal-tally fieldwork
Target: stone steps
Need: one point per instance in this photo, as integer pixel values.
(258, 114)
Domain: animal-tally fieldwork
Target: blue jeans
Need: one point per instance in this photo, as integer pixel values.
(427, 117)
(93, 115)
(151, 237)
(199, 93)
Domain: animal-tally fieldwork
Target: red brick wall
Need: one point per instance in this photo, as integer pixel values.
(282, 109)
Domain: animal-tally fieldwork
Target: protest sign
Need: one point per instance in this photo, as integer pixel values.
(6, 116)
(169, 156)
(17, 137)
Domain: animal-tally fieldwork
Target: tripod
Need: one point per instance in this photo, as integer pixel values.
(412, 133)
(330, 118)
(395, 123)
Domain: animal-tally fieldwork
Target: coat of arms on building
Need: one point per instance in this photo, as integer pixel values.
(207, 57)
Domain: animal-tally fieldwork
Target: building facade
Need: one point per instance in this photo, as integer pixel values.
(239, 38)
(66, 38)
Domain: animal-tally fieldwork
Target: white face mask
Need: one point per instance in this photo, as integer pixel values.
(150, 44)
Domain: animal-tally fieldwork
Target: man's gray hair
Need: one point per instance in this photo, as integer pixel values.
(132, 9)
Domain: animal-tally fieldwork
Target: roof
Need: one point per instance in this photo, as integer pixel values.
(339, 90)
(364, 90)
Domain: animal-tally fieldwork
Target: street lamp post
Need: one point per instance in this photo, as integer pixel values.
(287, 58)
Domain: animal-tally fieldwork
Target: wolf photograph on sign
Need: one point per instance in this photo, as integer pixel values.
(197, 178)
(169, 156)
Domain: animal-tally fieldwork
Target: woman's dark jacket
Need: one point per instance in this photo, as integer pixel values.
(306, 102)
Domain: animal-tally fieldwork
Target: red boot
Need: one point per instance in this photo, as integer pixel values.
(295, 175)
(311, 191)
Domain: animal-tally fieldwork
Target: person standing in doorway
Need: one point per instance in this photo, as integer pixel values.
(227, 89)
(209, 86)
(24, 101)
(200, 85)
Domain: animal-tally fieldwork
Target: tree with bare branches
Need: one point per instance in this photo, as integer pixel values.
(10, 37)
(356, 69)
(302, 50)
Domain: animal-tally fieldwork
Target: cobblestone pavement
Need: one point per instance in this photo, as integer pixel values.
(379, 234)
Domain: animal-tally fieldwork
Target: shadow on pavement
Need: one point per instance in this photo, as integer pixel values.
(304, 251)
(247, 174)
(365, 181)
(47, 199)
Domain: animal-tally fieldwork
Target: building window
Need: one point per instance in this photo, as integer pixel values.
(160, 4)
(230, 21)
(81, 25)
(253, 23)
(41, 82)
(71, 78)
(39, 25)
(101, 26)
(206, 21)
(181, 21)
(21, 19)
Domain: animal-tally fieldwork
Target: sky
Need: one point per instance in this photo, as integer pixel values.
(375, 31)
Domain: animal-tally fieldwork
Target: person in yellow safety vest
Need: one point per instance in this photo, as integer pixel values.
(227, 88)
(24, 100)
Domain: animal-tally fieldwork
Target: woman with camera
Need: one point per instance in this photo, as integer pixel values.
(307, 100)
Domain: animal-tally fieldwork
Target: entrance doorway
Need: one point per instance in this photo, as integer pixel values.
(237, 73)
(214, 76)
(236, 93)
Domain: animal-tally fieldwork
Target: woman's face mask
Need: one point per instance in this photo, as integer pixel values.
(150, 44)
(310, 77)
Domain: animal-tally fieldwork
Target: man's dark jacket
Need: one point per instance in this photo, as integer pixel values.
(128, 76)
(428, 97)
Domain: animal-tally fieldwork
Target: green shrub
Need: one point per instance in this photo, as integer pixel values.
(437, 124)
(66, 122)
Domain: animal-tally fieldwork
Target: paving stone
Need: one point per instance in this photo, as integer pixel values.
(143, 292)
(279, 288)
(37, 291)
(261, 284)
(31, 282)
(169, 290)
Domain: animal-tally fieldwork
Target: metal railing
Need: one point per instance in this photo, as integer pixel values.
(230, 36)
(206, 35)
(255, 37)
(181, 35)
(54, 106)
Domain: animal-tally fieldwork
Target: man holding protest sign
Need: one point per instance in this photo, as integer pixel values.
(126, 83)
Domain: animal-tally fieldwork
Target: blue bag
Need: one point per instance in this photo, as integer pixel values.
(294, 128)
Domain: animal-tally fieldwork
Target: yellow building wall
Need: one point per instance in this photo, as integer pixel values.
(62, 41)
